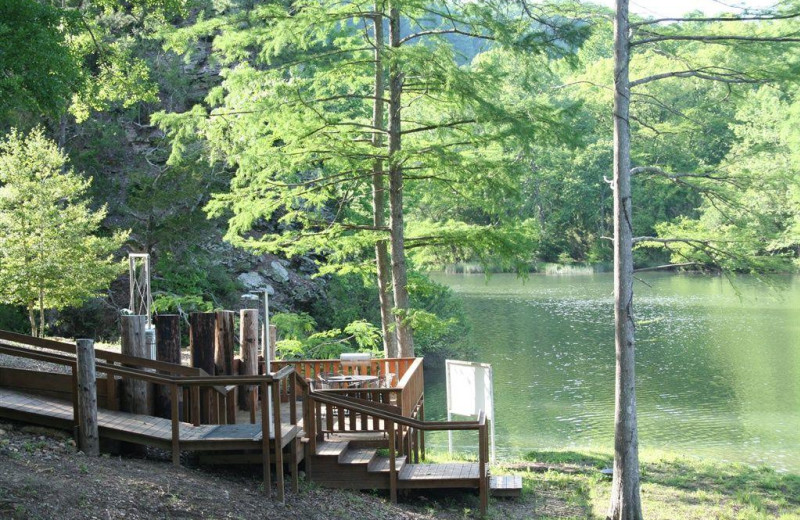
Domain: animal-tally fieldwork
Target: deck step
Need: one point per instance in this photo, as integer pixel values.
(455, 471)
(357, 456)
(331, 449)
(381, 464)
(505, 486)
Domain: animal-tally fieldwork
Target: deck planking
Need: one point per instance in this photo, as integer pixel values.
(52, 412)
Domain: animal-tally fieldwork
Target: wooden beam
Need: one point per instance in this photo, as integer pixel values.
(88, 436)
(168, 349)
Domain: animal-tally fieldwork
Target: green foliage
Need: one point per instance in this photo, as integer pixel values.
(122, 79)
(190, 282)
(50, 254)
(438, 319)
(12, 317)
(749, 218)
(300, 341)
(38, 71)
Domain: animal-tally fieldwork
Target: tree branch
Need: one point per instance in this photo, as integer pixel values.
(436, 127)
(445, 31)
(673, 176)
(717, 39)
(732, 77)
(717, 19)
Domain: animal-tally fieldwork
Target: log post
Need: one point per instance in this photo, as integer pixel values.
(201, 346)
(88, 435)
(136, 395)
(223, 359)
(223, 343)
(248, 352)
(168, 349)
(273, 339)
(201, 340)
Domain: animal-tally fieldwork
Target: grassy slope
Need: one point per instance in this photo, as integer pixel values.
(672, 488)
(41, 476)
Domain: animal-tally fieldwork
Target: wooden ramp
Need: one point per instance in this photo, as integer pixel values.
(140, 429)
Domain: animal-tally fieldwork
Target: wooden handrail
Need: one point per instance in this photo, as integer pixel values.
(195, 380)
(391, 419)
(153, 377)
(113, 357)
(329, 398)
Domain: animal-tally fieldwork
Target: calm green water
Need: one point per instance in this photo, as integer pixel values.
(718, 373)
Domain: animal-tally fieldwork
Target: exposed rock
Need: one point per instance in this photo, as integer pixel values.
(279, 273)
(251, 280)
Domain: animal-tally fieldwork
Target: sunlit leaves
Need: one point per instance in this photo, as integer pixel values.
(50, 253)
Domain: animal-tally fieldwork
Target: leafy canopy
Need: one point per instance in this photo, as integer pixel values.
(51, 255)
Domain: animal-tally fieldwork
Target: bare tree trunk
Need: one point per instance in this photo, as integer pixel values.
(379, 199)
(41, 313)
(625, 499)
(32, 318)
(405, 339)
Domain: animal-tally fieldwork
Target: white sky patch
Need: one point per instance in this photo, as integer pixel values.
(677, 8)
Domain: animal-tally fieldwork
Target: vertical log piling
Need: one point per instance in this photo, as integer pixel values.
(168, 349)
(136, 393)
(201, 345)
(88, 435)
(248, 352)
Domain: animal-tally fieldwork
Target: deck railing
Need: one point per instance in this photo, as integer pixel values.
(212, 404)
(393, 423)
(312, 369)
(405, 396)
(277, 382)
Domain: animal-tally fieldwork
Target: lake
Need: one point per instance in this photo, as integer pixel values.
(718, 365)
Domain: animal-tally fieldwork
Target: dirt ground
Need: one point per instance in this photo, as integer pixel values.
(43, 476)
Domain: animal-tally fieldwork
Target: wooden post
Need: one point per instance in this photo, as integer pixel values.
(168, 349)
(265, 458)
(175, 412)
(201, 345)
(88, 435)
(136, 395)
(223, 343)
(276, 419)
(201, 340)
(223, 359)
(483, 475)
(273, 339)
(248, 352)
(392, 463)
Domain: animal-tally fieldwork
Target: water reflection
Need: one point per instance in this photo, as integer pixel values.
(718, 368)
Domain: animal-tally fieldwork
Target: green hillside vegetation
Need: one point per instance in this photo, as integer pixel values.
(228, 136)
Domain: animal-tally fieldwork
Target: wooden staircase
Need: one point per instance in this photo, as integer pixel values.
(342, 464)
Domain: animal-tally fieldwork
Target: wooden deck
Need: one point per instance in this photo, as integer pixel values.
(341, 432)
(142, 429)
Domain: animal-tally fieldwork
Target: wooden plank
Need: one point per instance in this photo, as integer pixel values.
(357, 456)
(505, 485)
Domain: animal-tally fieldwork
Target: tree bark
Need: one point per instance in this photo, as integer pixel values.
(405, 340)
(625, 499)
(383, 265)
(32, 319)
(41, 313)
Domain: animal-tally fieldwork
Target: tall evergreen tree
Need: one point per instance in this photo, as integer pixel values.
(298, 119)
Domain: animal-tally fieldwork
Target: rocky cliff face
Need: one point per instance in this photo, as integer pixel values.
(163, 204)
